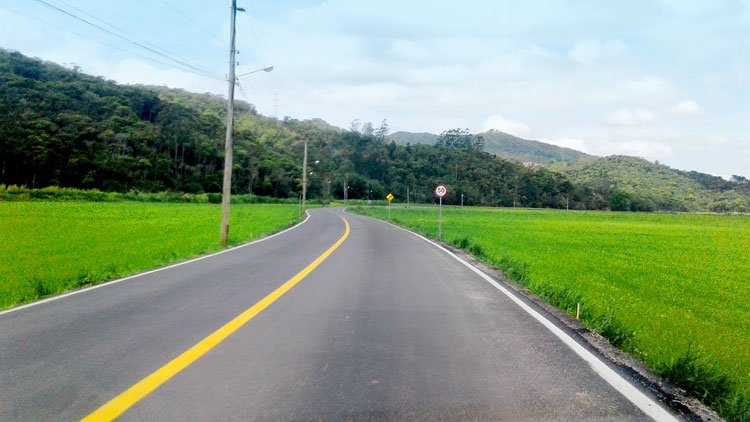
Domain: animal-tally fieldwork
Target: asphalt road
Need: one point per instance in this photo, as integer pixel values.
(386, 327)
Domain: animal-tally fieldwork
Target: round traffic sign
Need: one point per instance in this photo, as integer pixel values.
(441, 191)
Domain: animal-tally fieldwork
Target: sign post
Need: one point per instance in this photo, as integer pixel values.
(389, 198)
(440, 192)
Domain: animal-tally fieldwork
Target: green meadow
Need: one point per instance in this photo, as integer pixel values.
(671, 289)
(50, 247)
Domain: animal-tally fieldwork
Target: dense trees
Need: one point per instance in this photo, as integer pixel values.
(635, 184)
(372, 167)
(61, 127)
(458, 138)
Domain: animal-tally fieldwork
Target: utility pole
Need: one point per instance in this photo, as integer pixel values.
(227, 188)
(304, 176)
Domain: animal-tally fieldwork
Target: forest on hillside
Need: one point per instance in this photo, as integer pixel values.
(59, 127)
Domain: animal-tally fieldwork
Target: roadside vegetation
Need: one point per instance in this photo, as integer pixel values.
(55, 193)
(670, 289)
(50, 247)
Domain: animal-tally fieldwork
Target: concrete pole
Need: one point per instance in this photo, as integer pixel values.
(304, 176)
(227, 187)
(440, 220)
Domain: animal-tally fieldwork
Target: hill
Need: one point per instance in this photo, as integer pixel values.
(636, 184)
(529, 151)
(506, 146)
(59, 127)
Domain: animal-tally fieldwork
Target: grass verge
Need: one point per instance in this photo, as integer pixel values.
(49, 247)
(671, 290)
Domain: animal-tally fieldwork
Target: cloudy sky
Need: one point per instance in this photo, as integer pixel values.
(666, 80)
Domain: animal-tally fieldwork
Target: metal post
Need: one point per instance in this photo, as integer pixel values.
(227, 187)
(440, 220)
(389, 210)
(304, 176)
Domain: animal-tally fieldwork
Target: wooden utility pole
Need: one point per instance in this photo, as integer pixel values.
(227, 188)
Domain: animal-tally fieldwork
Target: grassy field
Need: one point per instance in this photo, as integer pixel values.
(673, 290)
(50, 247)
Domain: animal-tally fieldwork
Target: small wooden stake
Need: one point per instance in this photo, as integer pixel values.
(578, 311)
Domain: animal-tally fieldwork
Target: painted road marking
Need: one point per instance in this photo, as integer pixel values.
(119, 280)
(630, 392)
(132, 395)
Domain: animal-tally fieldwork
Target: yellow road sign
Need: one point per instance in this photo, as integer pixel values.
(389, 197)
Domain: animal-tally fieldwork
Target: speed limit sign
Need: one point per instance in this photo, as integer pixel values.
(441, 191)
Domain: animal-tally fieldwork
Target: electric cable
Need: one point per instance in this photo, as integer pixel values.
(196, 68)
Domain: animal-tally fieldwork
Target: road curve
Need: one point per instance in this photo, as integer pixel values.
(386, 327)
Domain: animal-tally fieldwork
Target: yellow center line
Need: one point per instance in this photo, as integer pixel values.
(118, 405)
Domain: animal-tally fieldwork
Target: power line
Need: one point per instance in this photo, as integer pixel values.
(259, 47)
(196, 68)
(130, 34)
(263, 39)
(151, 59)
(196, 23)
(263, 90)
(262, 42)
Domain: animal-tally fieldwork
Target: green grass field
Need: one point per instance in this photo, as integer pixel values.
(50, 247)
(673, 290)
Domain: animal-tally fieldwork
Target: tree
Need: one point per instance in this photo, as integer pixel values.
(383, 130)
(355, 126)
(460, 138)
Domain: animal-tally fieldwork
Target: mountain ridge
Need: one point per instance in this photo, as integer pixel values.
(505, 145)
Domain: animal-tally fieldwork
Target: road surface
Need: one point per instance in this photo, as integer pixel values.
(386, 326)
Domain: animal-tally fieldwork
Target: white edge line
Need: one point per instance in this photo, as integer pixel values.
(120, 280)
(630, 392)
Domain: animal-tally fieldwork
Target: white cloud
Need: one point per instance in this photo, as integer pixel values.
(686, 108)
(502, 124)
(572, 143)
(409, 50)
(586, 52)
(654, 150)
(630, 117)
(647, 85)
(589, 52)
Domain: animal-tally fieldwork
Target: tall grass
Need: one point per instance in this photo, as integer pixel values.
(671, 289)
(15, 193)
(50, 247)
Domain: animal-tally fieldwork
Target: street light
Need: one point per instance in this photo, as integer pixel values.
(265, 69)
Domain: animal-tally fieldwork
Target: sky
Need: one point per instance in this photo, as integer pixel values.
(666, 80)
